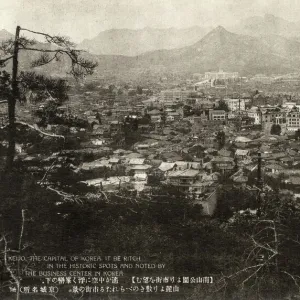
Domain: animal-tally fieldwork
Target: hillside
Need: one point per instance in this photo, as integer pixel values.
(5, 35)
(134, 42)
(268, 54)
(267, 25)
(223, 49)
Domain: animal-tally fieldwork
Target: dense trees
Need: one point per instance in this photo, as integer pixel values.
(221, 139)
(10, 49)
(297, 135)
(276, 129)
(222, 106)
(266, 265)
(250, 255)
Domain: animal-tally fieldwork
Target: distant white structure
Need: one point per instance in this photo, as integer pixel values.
(255, 113)
(174, 95)
(201, 84)
(293, 121)
(221, 75)
(289, 105)
(262, 79)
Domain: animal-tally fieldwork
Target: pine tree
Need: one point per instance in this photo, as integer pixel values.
(11, 49)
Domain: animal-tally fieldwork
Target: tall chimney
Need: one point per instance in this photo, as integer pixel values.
(259, 174)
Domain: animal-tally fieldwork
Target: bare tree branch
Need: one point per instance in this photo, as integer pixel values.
(4, 60)
(7, 266)
(20, 239)
(42, 132)
(47, 172)
(25, 42)
(294, 279)
(66, 197)
(7, 46)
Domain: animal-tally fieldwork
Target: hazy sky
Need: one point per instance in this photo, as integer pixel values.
(82, 19)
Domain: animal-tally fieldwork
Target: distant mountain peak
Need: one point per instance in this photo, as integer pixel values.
(133, 42)
(268, 24)
(218, 35)
(220, 29)
(270, 16)
(4, 34)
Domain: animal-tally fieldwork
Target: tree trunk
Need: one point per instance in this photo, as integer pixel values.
(12, 106)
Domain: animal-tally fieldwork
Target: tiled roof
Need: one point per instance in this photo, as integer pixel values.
(184, 173)
(166, 166)
(136, 161)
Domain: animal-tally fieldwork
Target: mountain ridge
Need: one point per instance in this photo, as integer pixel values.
(219, 48)
(133, 42)
(266, 25)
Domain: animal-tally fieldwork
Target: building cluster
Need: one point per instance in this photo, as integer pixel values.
(192, 139)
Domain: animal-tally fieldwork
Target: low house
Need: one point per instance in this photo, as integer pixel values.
(196, 165)
(242, 142)
(111, 183)
(199, 188)
(155, 115)
(223, 163)
(133, 155)
(119, 152)
(100, 132)
(209, 142)
(141, 172)
(287, 161)
(183, 178)
(114, 161)
(142, 147)
(184, 165)
(224, 152)
(208, 203)
(242, 154)
(144, 128)
(293, 183)
(98, 142)
(97, 164)
(171, 156)
(181, 165)
(136, 161)
(173, 116)
(217, 115)
(167, 166)
(274, 168)
(156, 119)
(115, 126)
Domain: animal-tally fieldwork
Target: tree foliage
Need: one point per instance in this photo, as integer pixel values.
(222, 106)
(10, 49)
(43, 87)
(221, 139)
(276, 129)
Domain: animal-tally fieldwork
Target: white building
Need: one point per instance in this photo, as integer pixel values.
(217, 115)
(221, 75)
(255, 113)
(174, 95)
(290, 105)
(293, 121)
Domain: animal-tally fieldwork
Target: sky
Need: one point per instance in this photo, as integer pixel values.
(81, 19)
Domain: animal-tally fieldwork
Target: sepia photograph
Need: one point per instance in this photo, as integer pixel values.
(149, 149)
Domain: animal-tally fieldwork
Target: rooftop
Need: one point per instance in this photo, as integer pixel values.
(185, 173)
